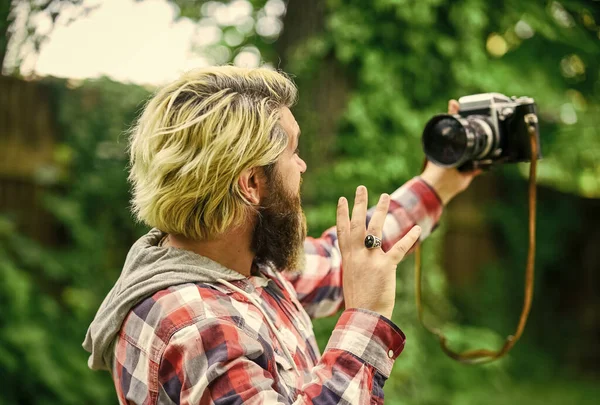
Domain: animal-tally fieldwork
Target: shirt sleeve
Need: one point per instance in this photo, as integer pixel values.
(215, 361)
(319, 285)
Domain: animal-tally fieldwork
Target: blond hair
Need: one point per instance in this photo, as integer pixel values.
(194, 139)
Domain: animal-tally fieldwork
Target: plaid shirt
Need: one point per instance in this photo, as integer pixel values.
(210, 344)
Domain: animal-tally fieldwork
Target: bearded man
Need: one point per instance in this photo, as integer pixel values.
(214, 304)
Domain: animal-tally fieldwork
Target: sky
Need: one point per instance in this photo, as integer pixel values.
(123, 39)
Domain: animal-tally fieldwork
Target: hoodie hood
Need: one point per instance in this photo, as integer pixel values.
(148, 268)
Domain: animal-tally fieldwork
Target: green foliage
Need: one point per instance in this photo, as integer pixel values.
(237, 36)
(50, 294)
(41, 360)
(20, 26)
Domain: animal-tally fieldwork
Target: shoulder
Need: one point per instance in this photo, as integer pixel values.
(175, 325)
(151, 324)
(176, 307)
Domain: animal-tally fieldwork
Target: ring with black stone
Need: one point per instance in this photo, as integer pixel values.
(372, 242)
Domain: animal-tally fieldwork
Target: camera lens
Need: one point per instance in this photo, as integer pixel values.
(445, 140)
(451, 140)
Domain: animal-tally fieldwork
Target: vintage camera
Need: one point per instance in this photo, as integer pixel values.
(490, 128)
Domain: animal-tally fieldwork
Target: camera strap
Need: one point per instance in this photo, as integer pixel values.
(485, 355)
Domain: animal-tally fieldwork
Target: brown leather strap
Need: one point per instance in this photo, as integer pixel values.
(485, 355)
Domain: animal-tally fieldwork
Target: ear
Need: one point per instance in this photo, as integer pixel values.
(252, 183)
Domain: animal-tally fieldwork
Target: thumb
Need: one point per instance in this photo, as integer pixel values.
(401, 248)
(453, 107)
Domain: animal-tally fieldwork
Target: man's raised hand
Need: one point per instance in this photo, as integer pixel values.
(369, 277)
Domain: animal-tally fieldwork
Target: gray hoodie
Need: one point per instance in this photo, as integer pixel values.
(148, 268)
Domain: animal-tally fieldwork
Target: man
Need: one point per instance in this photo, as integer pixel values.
(214, 304)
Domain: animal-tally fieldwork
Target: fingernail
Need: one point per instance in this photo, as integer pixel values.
(384, 197)
(360, 190)
(341, 201)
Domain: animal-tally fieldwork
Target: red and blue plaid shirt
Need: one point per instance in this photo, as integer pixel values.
(210, 344)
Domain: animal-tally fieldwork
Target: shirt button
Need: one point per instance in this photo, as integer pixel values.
(391, 354)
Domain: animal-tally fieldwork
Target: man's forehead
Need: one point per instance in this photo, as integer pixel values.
(289, 122)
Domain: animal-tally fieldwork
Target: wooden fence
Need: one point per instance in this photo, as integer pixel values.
(27, 139)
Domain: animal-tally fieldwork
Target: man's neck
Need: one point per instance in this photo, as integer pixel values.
(232, 250)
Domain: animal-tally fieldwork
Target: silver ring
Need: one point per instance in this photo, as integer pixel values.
(372, 242)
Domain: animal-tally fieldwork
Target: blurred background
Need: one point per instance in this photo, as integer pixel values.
(75, 73)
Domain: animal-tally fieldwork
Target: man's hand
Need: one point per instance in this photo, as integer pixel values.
(448, 182)
(369, 279)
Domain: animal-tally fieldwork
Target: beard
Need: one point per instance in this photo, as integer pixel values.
(280, 229)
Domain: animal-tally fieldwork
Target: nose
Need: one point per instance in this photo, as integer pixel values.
(303, 166)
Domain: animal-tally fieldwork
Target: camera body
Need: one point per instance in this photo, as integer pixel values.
(490, 128)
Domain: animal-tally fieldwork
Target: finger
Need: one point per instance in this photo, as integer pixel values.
(342, 223)
(401, 248)
(378, 218)
(453, 107)
(472, 173)
(358, 222)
